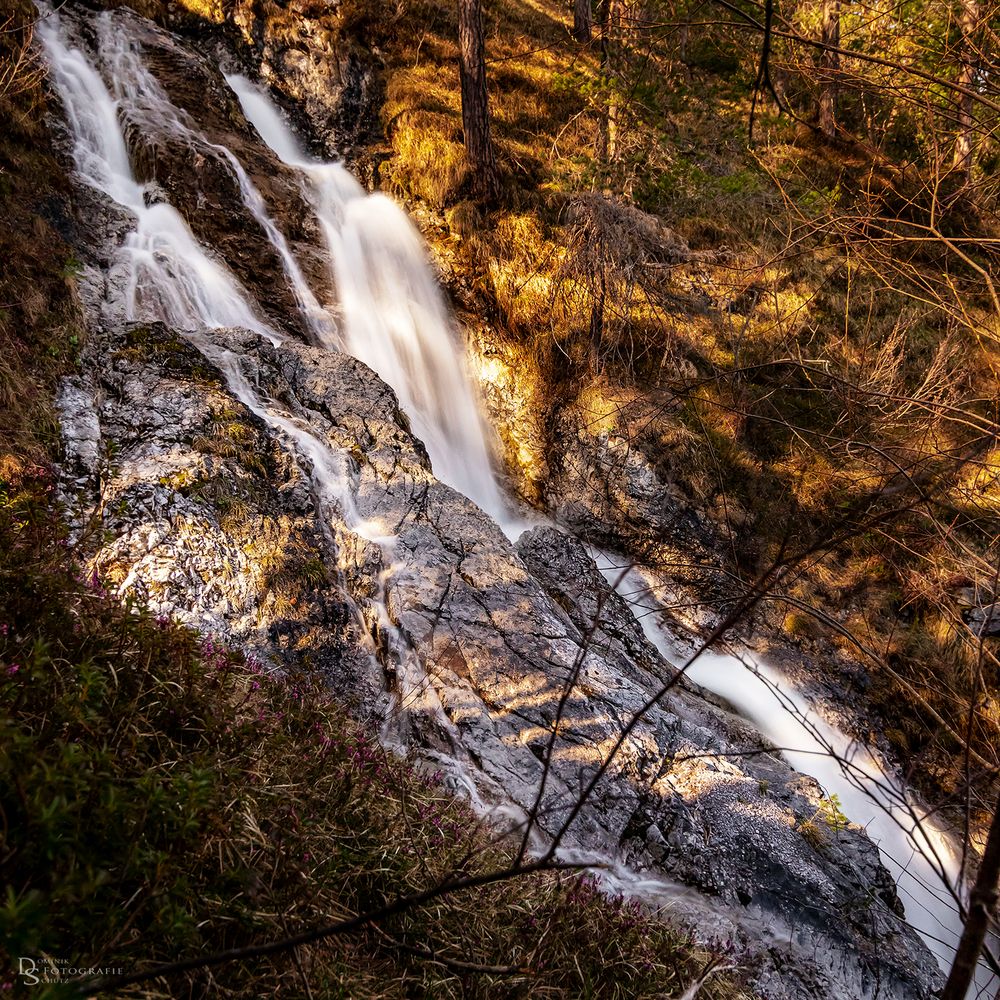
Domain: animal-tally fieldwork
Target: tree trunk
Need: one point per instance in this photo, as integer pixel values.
(982, 906)
(969, 23)
(600, 294)
(475, 103)
(608, 140)
(583, 22)
(682, 51)
(830, 65)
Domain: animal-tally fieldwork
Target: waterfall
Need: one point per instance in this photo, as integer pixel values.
(169, 278)
(393, 315)
(916, 848)
(144, 105)
(169, 275)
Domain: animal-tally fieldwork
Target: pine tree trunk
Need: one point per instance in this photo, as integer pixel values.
(682, 51)
(475, 103)
(600, 294)
(583, 22)
(830, 64)
(969, 23)
(982, 909)
(608, 139)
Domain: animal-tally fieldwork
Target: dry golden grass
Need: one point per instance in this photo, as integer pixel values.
(429, 161)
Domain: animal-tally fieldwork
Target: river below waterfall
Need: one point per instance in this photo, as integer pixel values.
(457, 640)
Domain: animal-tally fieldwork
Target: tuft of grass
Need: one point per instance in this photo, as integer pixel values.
(812, 833)
(426, 165)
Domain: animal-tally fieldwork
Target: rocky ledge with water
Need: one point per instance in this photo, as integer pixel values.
(274, 493)
(467, 656)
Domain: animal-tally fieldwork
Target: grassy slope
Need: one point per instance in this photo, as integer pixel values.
(159, 797)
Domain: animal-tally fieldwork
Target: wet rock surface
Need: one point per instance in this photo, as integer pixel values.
(207, 519)
(301, 53)
(186, 154)
(613, 481)
(216, 520)
(722, 812)
(430, 622)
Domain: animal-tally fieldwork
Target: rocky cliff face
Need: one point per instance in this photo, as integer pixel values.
(274, 494)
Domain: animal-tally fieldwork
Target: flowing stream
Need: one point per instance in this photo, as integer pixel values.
(391, 314)
(916, 848)
(143, 105)
(170, 277)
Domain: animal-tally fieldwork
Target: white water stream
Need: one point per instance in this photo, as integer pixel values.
(916, 848)
(169, 275)
(170, 278)
(144, 105)
(392, 316)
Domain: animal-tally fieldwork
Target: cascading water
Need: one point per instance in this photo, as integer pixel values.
(169, 276)
(917, 849)
(394, 317)
(145, 106)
